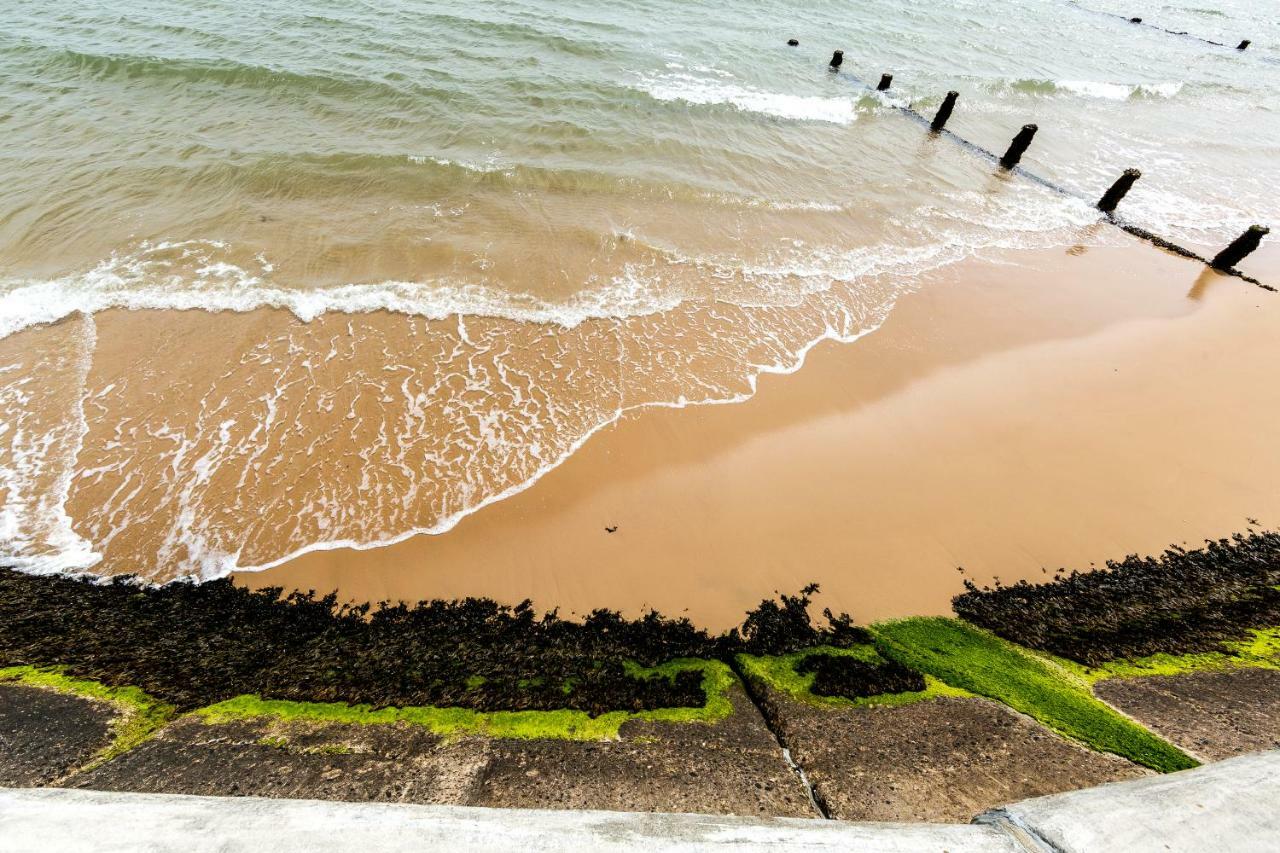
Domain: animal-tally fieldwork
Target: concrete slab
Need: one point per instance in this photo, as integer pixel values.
(938, 760)
(266, 758)
(734, 766)
(1228, 806)
(1213, 715)
(44, 734)
(143, 823)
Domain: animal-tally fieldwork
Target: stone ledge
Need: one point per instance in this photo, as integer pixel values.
(111, 822)
(1225, 806)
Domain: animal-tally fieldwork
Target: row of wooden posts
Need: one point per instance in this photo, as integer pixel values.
(1225, 260)
(1243, 45)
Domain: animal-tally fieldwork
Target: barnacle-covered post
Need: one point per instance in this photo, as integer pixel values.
(1019, 146)
(1113, 196)
(1240, 248)
(944, 111)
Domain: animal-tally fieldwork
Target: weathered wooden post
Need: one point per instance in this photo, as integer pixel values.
(1113, 196)
(886, 80)
(793, 42)
(837, 59)
(1243, 45)
(944, 111)
(1240, 248)
(1018, 146)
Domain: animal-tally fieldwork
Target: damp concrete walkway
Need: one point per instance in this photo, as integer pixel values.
(1229, 806)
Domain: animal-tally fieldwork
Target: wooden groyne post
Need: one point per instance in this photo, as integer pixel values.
(1225, 260)
(1019, 146)
(1240, 248)
(1113, 196)
(944, 111)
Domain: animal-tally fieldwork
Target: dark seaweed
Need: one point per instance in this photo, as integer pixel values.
(195, 644)
(841, 675)
(776, 628)
(1182, 602)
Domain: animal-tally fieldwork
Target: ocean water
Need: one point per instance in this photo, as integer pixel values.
(284, 275)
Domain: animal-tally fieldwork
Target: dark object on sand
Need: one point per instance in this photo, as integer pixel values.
(793, 42)
(837, 59)
(1019, 146)
(613, 529)
(842, 675)
(1181, 602)
(1243, 45)
(886, 80)
(1240, 248)
(1113, 196)
(1135, 20)
(944, 111)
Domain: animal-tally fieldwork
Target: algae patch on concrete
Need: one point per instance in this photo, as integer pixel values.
(519, 725)
(779, 672)
(978, 661)
(1260, 650)
(138, 715)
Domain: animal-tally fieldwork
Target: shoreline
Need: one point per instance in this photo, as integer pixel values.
(214, 689)
(1034, 332)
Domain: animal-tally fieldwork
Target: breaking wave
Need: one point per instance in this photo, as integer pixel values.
(702, 91)
(1094, 89)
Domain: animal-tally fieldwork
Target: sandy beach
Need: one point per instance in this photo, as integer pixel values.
(1058, 408)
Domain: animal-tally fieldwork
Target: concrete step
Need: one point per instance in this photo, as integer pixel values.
(136, 823)
(1230, 806)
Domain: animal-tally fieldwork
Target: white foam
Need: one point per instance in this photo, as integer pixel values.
(490, 165)
(696, 90)
(153, 278)
(1118, 91)
(36, 533)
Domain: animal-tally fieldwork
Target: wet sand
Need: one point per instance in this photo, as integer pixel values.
(1060, 408)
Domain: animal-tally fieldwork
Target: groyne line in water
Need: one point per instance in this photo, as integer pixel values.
(1008, 162)
(1241, 45)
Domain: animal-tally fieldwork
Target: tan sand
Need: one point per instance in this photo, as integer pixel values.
(1059, 409)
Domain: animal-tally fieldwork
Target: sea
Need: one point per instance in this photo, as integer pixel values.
(278, 276)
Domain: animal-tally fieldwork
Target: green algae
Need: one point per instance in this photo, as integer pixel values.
(978, 661)
(517, 725)
(1260, 650)
(138, 715)
(779, 672)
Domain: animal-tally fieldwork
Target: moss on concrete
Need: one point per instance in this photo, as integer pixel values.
(978, 661)
(138, 715)
(1261, 650)
(779, 673)
(521, 725)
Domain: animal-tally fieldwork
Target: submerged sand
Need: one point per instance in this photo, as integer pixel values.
(1056, 408)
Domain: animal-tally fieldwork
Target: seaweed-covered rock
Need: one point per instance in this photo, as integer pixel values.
(841, 675)
(1182, 602)
(195, 644)
(782, 627)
